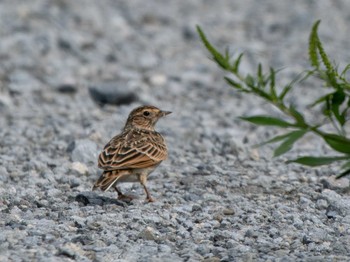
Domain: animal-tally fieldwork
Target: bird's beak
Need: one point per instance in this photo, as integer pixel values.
(164, 113)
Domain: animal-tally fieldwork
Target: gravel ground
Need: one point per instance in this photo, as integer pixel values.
(70, 73)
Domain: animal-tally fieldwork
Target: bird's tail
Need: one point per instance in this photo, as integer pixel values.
(108, 179)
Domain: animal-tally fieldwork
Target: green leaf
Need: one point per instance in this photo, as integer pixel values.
(267, 121)
(261, 80)
(344, 114)
(346, 165)
(337, 99)
(344, 173)
(297, 115)
(261, 93)
(217, 57)
(275, 139)
(272, 78)
(330, 71)
(321, 99)
(236, 64)
(235, 84)
(298, 79)
(346, 69)
(317, 161)
(338, 143)
(313, 45)
(316, 50)
(249, 80)
(289, 142)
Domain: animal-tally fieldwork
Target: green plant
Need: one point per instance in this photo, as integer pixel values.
(335, 103)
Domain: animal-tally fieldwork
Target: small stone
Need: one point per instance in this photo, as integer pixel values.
(196, 207)
(254, 154)
(304, 201)
(218, 218)
(332, 212)
(251, 233)
(228, 212)
(3, 174)
(80, 168)
(71, 250)
(148, 61)
(321, 204)
(149, 234)
(164, 248)
(211, 259)
(112, 93)
(332, 183)
(338, 203)
(5, 101)
(85, 151)
(188, 33)
(91, 198)
(22, 81)
(157, 79)
(67, 252)
(67, 89)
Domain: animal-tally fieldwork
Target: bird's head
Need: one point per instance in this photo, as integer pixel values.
(144, 117)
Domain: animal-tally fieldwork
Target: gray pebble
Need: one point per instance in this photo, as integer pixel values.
(112, 93)
(149, 233)
(332, 183)
(85, 151)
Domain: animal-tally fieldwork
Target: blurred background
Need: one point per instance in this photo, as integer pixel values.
(71, 71)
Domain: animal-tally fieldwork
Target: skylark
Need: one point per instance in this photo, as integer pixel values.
(132, 155)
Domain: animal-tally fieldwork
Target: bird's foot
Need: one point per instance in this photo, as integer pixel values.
(150, 199)
(125, 198)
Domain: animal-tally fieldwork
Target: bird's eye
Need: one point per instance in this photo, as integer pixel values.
(146, 113)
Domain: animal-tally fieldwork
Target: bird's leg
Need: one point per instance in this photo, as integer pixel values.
(143, 180)
(121, 196)
(148, 195)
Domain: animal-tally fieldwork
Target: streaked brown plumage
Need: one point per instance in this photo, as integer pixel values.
(132, 155)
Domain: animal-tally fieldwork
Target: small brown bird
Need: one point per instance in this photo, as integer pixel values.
(132, 155)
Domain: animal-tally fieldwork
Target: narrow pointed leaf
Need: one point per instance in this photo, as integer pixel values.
(331, 72)
(297, 115)
(344, 173)
(346, 165)
(233, 83)
(289, 142)
(217, 56)
(337, 99)
(285, 91)
(313, 43)
(346, 69)
(317, 161)
(249, 80)
(236, 64)
(276, 138)
(298, 79)
(338, 143)
(260, 75)
(267, 121)
(272, 83)
(261, 93)
(320, 100)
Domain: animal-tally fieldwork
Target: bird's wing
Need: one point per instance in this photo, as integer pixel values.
(133, 149)
(109, 178)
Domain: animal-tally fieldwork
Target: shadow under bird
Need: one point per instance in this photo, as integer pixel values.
(132, 155)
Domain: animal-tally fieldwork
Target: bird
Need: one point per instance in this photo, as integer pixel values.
(133, 154)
